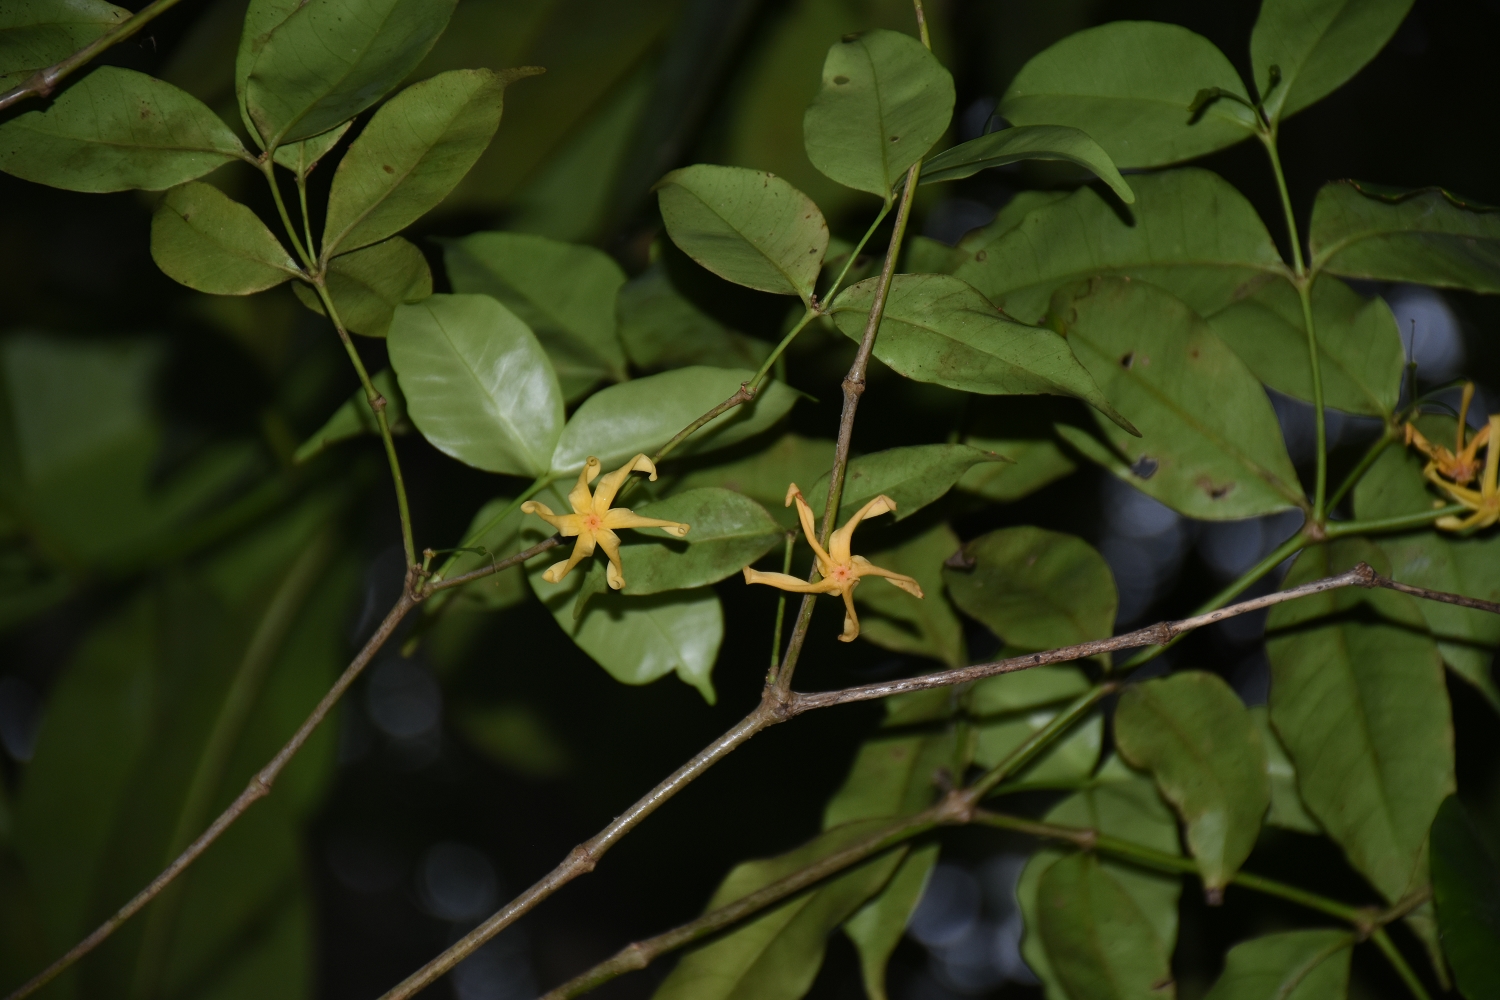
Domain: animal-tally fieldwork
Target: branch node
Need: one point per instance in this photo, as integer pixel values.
(378, 403)
(582, 858)
(1366, 576)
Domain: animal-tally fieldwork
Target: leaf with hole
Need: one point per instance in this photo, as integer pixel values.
(204, 240)
(885, 100)
(729, 532)
(901, 623)
(1292, 965)
(746, 226)
(1027, 142)
(114, 130)
(367, 285)
(34, 34)
(477, 383)
(913, 477)
(1466, 889)
(1303, 51)
(355, 418)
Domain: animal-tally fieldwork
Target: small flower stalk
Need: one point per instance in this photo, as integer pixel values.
(593, 521)
(839, 571)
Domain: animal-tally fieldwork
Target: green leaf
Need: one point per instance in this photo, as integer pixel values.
(1210, 447)
(936, 328)
(1429, 237)
(639, 416)
(1132, 85)
(1287, 810)
(1036, 589)
(729, 532)
(1034, 463)
(1315, 48)
(1292, 965)
(1011, 708)
(328, 60)
(1188, 231)
(367, 285)
(885, 100)
(746, 226)
(117, 129)
(878, 927)
(913, 477)
(661, 328)
(1027, 142)
(202, 239)
(1197, 739)
(301, 157)
(477, 383)
(494, 538)
(1394, 487)
(765, 475)
(1362, 709)
(411, 154)
(1360, 356)
(261, 18)
(355, 418)
(927, 627)
(1466, 889)
(565, 293)
(34, 34)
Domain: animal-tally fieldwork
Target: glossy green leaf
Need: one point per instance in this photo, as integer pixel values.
(764, 475)
(367, 285)
(1197, 739)
(746, 226)
(927, 627)
(1466, 889)
(885, 100)
(202, 239)
(936, 328)
(34, 34)
(1360, 356)
(1188, 231)
(477, 383)
(729, 532)
(1210, 447)
(1429, 237)
(1362, 709)
(411, 154)
(877, 927)
(355, 419)
(301, 157)
(491, 537)
(1131, 85)
(117, 129)
(1098, 942)
(661, 328)
(1292, 965)
(1287, 810)
(643, 414)
(1315, 47)
(1011, 708)
(1027, 142)
(913, 477)
(565, 293)
(1036, 589)
(328, 60)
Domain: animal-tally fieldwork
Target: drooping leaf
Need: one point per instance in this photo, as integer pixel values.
(1027, 142)
(1197, 739)
(301, 157)
(1466, 889)
(34, 34)
(1292, 965)
(729, 532)
(117, 129)
(1010, 709)
(1429, 237)
(764, 475)
(1210, 445)
(1036, 589)
(1360, 357)
(885, 100)
(477, 383)
(1132, 86)
(1316, 47)
(877, 927)
(491, 537)
(937, 328)
(355, 418)
(1188, 231)
(367, 285)
(927, 627)
(643, 414)
(1034, 463)
(746, 226)
(204, 240)
(412, 153)
(328, 60)
(661, 328)
(1287, 810)
(913, 477)
(565, 293)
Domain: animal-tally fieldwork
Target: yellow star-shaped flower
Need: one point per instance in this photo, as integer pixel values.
(1462, 464)
(593, 521)
(839, 572)
(1485, 501)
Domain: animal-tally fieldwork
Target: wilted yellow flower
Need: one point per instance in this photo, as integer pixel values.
(593, 520)
(1462, 464)
(839, 572)
(1485, 501)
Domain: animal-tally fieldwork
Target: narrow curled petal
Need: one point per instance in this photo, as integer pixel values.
(809, 528)
(863, 567)
(1492, 457)
(579, 496)
(784, 581)
(838, 542)
(582, 549)
(567, 524)
(851, 620)
(610, 484)
(614, 573)
(624, 517)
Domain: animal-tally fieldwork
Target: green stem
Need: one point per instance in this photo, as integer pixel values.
(1320, 487)
(1040, 740)
(306, 219)
(541, 483)
(268, 169)
(786, 342)
(786, 567)
(838, 282)
(1358, 472)
(1338, 529)
(1388, 948)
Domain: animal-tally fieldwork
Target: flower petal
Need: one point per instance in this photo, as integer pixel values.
(579, 496)
(863, 567)
(610, 484)
(582, 549)
(838, 542)
(784, 581)
(614, 573)
(624, 517)
(809, 528)
(851, 620)
(567, 525)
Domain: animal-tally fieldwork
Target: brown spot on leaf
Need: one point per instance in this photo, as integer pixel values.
(982, 255)
(1127, 360)
(840, 80)
(895, 138)
(388, 168)
(1215, 491)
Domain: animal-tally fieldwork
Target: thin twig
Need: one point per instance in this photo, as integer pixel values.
(1437, 595)
(492, 567)
(44, 81)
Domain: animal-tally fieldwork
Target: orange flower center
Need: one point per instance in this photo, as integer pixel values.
(593, 522)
